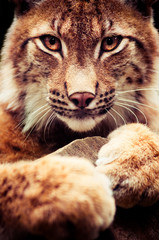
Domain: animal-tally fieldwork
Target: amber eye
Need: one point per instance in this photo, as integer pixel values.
(110, 43)
(51, 42)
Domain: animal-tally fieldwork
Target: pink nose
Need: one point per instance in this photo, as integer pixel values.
(82, 100)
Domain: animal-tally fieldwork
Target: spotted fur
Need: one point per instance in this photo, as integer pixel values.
(52, 97)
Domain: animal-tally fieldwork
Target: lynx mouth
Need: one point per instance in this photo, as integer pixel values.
(83, 120)
(83, 113)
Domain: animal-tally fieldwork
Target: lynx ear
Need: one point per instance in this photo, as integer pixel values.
(144, 6)
(23, 6)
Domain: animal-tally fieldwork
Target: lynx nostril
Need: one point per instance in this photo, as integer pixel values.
(82, 100)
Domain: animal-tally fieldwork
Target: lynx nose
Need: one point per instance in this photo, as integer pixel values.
(82, 100)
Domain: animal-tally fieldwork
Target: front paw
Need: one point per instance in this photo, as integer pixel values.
(62, 198)
(131, 161)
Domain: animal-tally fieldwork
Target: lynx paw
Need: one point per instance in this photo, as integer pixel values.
(63, 198)
(130, 160)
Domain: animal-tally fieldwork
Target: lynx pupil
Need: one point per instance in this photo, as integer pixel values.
(52, 40)
(109, 41)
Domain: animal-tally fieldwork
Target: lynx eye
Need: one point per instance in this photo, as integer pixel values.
(110, 43)
(50, 42)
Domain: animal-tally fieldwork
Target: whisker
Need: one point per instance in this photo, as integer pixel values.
(53, 118)
(135, 102)
(39, 120)
(20, 124)
(48, 124)
(136, 90)
(113, 118)
(119, 104)
(37, 110)
(119, 115)
(137, 110)
(40, 108)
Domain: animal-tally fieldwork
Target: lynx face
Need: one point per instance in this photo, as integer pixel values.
(72, 60)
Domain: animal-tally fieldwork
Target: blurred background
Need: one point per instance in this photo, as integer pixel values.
(7, 9)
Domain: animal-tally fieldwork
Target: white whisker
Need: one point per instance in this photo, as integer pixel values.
(141, 104)
(113, 118)
(38, 109)
(137, 90)
(20, 124)
(128, 105)
(52, 119)
(119, 115)
(39, 120)
(48, 124)
(121, 105)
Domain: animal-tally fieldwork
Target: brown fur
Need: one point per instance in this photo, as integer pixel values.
(14, 144)
(40, 94)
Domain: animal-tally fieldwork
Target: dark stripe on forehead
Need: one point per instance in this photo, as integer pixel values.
(96, 4)
(69, 5)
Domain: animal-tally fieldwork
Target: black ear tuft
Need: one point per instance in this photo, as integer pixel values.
(143, 6)
(23, 6)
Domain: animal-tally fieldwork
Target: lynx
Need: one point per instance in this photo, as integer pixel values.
(71, 69)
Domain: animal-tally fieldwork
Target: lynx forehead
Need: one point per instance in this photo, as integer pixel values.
(81, 29)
